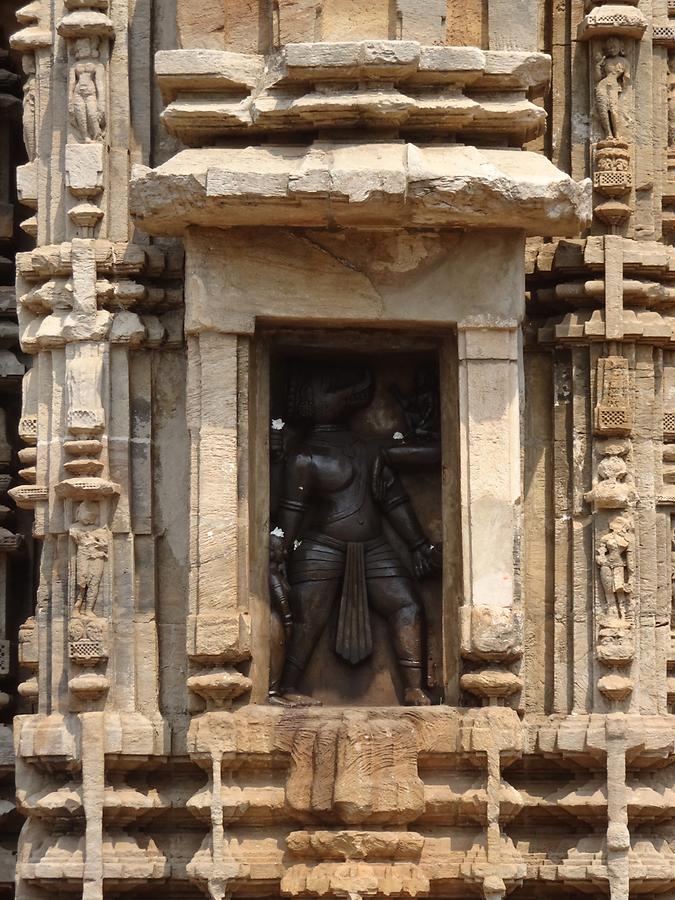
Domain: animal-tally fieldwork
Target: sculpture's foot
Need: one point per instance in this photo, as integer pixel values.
(293, 699)
(415, 697)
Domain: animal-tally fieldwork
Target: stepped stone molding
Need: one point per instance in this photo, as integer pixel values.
(376, 84)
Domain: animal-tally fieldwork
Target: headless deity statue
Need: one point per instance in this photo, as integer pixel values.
(92, 544)
(611, 76)
(87, 91)
(337, 488)
(615, 558)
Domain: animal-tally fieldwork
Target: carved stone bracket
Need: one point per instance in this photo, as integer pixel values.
(607, 18)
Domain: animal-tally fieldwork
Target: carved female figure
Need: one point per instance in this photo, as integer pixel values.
(615, 556)
(87, 91)
(328, 542)
(611, 75)
(29, 121)
(92, 544)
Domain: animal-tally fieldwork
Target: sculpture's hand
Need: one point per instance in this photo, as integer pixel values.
(382, 479)
(426, 559)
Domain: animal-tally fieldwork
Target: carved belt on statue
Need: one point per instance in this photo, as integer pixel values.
(322, 558)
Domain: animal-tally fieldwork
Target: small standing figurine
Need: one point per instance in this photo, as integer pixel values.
(615, 556)
(87, 91)
(611, 77)
(329, 543)
(92, 544)
(421, 409)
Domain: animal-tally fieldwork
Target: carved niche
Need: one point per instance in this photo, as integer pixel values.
(355, 559)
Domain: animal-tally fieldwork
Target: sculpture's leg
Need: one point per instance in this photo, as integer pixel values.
(607, 581)
(93, 126)
(94, 585)
(311, 604)
(394, 598)
(602, 108)
(80, 116)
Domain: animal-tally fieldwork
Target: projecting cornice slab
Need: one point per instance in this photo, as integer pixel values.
(379, 84)
(369, 185)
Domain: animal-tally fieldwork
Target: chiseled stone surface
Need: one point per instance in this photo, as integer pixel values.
(360, 185)
(241, 222)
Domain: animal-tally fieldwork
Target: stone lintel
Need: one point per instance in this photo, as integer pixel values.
(368, 185)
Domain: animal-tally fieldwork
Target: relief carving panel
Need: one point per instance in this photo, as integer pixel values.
(346, 543)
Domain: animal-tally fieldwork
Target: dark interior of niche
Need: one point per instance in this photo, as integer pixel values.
(398, 372)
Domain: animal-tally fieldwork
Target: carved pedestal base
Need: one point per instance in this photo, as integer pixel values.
(88, 640)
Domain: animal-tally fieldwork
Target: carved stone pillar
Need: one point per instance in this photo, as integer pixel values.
(218, 626)
(489, 403)
(89, 312)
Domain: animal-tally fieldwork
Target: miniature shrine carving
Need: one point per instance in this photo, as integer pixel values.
(328, 544)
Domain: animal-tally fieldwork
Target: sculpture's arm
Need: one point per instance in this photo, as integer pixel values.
(410, 456)
(288, 519)
(294, 503)
(99, 80)
(598, 72)
(630, 564)
(400, 513)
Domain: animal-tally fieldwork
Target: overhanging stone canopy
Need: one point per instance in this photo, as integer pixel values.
(374, 177)
(360, 184)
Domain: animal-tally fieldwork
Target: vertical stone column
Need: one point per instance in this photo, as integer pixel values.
(87, 315)
(218, 631)
(489, 403)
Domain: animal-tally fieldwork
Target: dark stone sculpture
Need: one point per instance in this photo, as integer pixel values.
(336, 489)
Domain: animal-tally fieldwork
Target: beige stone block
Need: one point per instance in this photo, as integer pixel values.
(84, 169)
(216, 70)
(513, 24)
(353, 20)
(300, 21)
(219, 637)
(369, 185)
(360, 278)
(84, 382)
(27, 184)
(466, 23)
(201, 24)
(491, 634)
(242, 26)
(421, 20)
(126, 328)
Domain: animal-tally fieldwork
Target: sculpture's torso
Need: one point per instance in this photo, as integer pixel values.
(344, 507)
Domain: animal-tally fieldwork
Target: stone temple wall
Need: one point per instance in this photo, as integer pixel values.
(337, 449)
